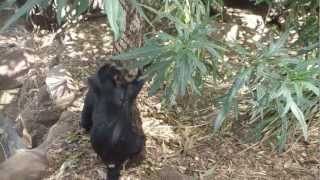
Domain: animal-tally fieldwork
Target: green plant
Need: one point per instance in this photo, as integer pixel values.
(284, 92)
(182, 58)
(66, 9)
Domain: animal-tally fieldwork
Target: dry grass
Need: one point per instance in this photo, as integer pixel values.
(190, 149)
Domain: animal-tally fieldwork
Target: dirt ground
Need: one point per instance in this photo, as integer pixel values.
(180, 143)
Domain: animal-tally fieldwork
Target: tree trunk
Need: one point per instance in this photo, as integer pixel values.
(133, 35)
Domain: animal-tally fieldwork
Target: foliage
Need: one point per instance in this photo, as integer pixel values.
(283, 89)
(303, 13)
(65, 9)
(181, 58)
(116, 17)
(284, 92)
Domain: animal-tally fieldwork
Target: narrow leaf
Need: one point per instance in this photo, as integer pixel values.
(311, 87)
(141, 12)
(240, 79)
(157, 82)
(61, 10)
(300, 117)
(20, 12)
(116, 17)
(6, 4)
(82, 6)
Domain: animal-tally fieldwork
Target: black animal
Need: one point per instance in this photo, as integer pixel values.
(108, 114)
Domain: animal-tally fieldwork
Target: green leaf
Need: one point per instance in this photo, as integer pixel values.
(214, 53)
(174, 19)
(61, 10)
(200, 65)
(300, 117)
(197, 62)
(140, 63)
(82, 6)
(157, 82)
(277, 46)
(284, 133)
(116, 17)
(166, 37)
(148, 8)
(157, 67)
(311, 87)
(194, 87)
(242, 76)
(6, 4)
(181, 74)
(141, 12)
(179, 5)
(20, 12)
(207, 44)
(285, 92)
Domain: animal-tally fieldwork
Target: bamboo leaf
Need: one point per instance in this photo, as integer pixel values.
(141, 12)
(61, 10)
(140, 63)
(116, 17)
(207, 44)
(200, 65)
(20, 12)
(277, 46)
(240, 79)
(82, 6)
(157, 67)
(311, 87)
(284, 133)
(214, 53)
(298, 89)
(157, 82)
(6, 4)
(300, 117)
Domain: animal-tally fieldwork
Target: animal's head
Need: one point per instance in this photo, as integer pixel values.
(110, 87)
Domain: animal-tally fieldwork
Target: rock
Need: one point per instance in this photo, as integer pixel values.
(60, 86)
(6, 99)
(59, 129)
(38, 115)
(10, 141)
(43, 107)
(14, 67)
(32, 164)
(24, 165)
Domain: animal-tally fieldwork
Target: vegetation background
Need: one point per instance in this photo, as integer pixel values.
(263, 86)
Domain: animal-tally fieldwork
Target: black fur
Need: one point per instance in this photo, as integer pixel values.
(107, 113)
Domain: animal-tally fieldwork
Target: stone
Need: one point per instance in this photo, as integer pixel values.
(24, 165)
(14, 67)
(60, 86)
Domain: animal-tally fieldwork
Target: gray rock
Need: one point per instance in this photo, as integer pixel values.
(14, 67)
(60, 86)
(24, 165)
